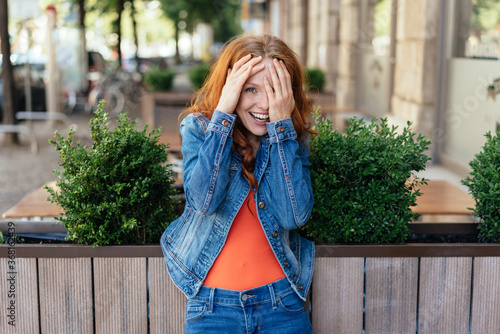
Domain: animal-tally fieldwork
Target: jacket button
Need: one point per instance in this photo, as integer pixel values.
(301, 287)
(281, 129)
(262, 205)
(286, 263)
(225, 122)
(275, 234)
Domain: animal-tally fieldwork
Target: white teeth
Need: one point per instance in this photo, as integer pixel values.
(260, 116)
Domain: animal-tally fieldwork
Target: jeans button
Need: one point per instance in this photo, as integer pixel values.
(244, 297)
(275, 234)
(262, 205)
(225, 122)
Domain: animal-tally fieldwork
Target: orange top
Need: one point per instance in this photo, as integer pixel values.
(246, 260)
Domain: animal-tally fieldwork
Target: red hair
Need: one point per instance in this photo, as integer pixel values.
(207, 97)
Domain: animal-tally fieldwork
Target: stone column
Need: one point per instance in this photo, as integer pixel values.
(323, 39)
(415, 84)
(295, 26)
(348, 53)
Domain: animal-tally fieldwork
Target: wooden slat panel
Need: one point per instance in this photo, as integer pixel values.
(65, 295)
(486, 295)
(444, 301)
(391, 295)
(167, 304)
(337, 295)
(120, 294)
(25, 296)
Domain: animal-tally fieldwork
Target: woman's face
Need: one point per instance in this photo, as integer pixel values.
(253, 105)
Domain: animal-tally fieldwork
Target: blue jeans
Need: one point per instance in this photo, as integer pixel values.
(273, 308)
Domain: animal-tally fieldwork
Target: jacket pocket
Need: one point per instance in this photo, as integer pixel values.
(176, 226)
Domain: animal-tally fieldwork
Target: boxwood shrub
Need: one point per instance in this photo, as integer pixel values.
(315, 79)
(198, 74)
(484, 186)
(117, 191)
(363, 182)
(159, 80)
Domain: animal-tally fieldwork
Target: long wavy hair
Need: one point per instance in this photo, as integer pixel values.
(207, 97)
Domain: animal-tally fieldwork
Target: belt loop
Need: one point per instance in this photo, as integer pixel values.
(273, 297)
(211, 301)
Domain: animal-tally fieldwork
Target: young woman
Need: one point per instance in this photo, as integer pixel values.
(247, 185)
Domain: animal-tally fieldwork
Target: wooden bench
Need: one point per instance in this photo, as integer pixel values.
(21, 129)
(440, 198)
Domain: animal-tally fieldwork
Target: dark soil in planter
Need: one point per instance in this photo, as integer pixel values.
(443, 238)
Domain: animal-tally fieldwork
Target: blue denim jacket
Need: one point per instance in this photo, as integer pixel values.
(216, 189)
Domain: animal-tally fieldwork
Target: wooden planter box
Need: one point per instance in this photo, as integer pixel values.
(171, 102)
(413, 288)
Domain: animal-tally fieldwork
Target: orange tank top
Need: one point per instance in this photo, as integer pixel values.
(246, 260)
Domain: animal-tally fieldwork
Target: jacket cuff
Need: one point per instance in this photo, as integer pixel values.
(281, 130)
(222, 122)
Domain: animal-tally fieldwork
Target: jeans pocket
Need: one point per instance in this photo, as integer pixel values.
(291, 303)
(195, 310)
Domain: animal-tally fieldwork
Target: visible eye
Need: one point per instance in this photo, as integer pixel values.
(251, 90)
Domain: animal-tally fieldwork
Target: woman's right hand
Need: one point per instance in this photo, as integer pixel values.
(236, 78)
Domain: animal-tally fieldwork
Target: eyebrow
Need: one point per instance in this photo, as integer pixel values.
(252, 83)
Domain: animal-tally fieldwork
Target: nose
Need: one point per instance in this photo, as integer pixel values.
(263, 102)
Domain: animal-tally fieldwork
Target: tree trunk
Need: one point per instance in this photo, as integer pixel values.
(119, 9)
(9, 92)
(136, 39)
(84, 68)
(177, 55)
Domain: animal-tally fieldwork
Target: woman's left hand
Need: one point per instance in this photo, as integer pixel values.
(281, 101)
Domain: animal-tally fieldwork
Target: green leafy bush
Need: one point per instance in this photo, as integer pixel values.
(159, 80)
(117, 191)
(484, 185)
(363, 182)
(198, 74)
(315, 79)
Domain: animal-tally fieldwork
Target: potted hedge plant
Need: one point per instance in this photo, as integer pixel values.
(198, 74)
(315, 79)
(119, 189)
(159, 79)
(484, 186)
(363, 182)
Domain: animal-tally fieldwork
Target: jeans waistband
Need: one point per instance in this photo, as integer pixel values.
(262, 293)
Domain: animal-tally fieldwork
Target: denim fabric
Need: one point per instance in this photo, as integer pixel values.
(273, 308)
(215, 190)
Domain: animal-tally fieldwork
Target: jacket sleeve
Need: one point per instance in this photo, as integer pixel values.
(291, 195)
(206, 149)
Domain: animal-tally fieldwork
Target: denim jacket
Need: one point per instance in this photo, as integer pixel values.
(215, 190)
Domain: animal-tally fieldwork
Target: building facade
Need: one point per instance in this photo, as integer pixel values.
(435, 63)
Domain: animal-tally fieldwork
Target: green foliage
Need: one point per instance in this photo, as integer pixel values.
(119, 190)
(484, 185)
(363, 182)
(159, 80)
(222, 15)
(315, 79)
(198, 74)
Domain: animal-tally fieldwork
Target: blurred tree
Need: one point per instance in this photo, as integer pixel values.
(117, 7)
(222, 15)
(8, 102)
(113, 6)
(485, 16)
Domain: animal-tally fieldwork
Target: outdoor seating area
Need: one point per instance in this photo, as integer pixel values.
(368, 132)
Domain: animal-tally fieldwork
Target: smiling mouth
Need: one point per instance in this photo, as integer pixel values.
(260, 117)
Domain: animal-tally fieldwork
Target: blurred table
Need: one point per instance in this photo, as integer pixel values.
(443, 198)
(174, 141)
(34, 204)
